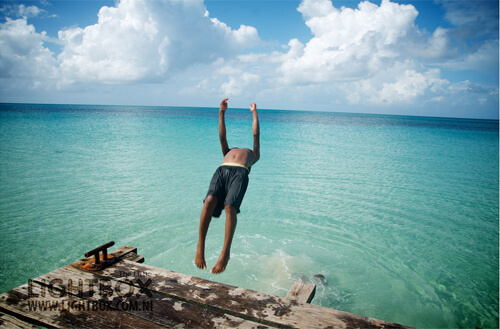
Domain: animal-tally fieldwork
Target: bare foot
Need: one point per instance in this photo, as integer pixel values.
(221, 264)
(199, 259)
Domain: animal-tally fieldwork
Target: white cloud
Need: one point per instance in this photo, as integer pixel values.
(348, 43)
(365, 52)
(245, 36)
(472, 37)
(237, 85)
(408, 86)
(229, 78)
(466, 86)
(29, 11)
(377, 54)
(135, 41)
(401, 84)
(21, 10)
(437, 48)
(142, 40)
(22, 54)
(484, 58)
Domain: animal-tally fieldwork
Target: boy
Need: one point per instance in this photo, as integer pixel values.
(227, 189)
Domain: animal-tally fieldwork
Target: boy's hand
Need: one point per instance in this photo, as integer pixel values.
(253, 107)
(223, 105)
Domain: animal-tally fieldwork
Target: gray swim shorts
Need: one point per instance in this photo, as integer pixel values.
(228, 184)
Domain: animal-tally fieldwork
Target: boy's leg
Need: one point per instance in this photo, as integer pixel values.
(205, 218)
(231, 221)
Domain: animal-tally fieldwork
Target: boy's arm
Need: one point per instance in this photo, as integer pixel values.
(255, 131)
(222, 127)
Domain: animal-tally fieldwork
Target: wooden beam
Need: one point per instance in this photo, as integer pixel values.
(302, 292)
(10, 322)
(69, 312)
(248, 304)
(139, 301)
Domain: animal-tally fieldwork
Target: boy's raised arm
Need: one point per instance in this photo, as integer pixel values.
(255, 131)
(222, 127)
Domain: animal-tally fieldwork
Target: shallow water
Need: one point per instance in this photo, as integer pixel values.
(400, 214)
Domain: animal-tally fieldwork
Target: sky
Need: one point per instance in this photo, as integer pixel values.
(421, 57)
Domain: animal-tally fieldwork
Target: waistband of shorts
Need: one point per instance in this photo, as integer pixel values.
(232, 164)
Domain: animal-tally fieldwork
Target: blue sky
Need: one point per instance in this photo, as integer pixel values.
(432, 58)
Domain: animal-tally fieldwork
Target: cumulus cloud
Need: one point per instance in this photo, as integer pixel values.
(236, 86)
(142, 40)
(408, 86)
(376, 54)
(134, 41)
(348, 43)
(363, 51)
(22, 53)
(397, 85)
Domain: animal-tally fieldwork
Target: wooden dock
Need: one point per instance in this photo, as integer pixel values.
(124, 293)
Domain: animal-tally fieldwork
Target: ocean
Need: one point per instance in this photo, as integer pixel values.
(399, 214)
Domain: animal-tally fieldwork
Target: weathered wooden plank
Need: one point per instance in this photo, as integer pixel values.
(137, 300)
(134, 258)
(70, 312)
(248, 304)
(10, 322)
(302, 292)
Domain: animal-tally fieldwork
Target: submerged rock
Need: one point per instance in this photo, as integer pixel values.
(320, 279)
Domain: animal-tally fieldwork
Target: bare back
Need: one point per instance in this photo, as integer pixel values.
(244, 157)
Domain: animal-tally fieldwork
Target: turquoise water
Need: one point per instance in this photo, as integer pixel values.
(400, 214)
